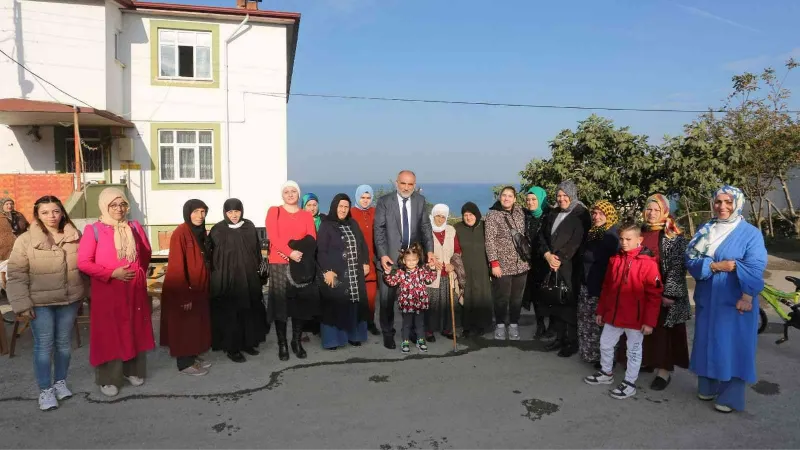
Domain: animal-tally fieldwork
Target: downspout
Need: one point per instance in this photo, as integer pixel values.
(227, 101)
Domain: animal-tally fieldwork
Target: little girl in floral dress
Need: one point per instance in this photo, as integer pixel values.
(412, 293)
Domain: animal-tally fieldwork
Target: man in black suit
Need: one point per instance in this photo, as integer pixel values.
(400, 221)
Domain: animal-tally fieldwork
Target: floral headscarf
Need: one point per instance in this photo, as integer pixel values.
(612, 218)
(703, 241)
(665, 222)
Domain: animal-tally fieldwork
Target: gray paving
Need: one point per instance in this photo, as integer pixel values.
(489, 394)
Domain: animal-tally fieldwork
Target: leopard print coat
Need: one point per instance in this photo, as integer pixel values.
(673, 272)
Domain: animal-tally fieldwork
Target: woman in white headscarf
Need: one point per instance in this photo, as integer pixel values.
(115, 253)
(448, 257)
(727, 257)
(287, 223)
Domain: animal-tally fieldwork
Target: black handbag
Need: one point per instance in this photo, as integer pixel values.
(263, 267)
(521, 242)
(554, 290)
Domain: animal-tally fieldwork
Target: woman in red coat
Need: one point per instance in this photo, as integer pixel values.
(364, 214)
(185, 321)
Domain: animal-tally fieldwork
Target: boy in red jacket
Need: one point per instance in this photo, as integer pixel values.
(629, 303)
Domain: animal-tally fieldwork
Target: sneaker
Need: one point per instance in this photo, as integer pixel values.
(718, 407)
(421, 345)
(109, 390)
(194, 370)
(599, 378)
(405, 346)
(623, 391)
(513, 332)
(203, 363)
(706, 398)
(62, 391)
(47, 399)
(500, 332)
(135, 381)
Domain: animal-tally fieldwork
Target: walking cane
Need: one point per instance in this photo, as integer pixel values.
(453, 316)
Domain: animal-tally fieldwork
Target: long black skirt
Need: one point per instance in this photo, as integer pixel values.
(287, 301)
(234, 329)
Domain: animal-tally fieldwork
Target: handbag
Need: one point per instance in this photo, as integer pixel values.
(263, 271)
(554, 290)
(521, 242)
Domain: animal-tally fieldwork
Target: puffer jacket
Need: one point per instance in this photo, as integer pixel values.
(499, 242)
(631, 293)
(45, 273)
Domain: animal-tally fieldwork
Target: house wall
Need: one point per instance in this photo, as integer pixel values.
(61, 41)
(114, 68)
(257, 162)
(23, 154)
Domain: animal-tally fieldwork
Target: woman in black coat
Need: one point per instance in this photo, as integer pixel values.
(343, 259)
(561, 240)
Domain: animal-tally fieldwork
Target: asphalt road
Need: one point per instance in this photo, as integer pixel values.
(489, 394)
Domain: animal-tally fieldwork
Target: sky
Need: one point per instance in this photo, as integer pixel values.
(609, 53)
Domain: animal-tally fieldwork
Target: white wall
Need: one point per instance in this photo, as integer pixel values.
(114, 68)
(258, 161)
(23, 154)
(62, 41)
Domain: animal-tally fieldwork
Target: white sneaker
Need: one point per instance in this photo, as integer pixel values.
(513, 332)
(203, 363)
(47, 399)
(62, 391)
(623, 391)
(135, 381)
(599, 378)
(718, 407)
(109, 390)
(500, 332)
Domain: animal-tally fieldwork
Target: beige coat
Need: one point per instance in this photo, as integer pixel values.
(444, 252)
(45, 273)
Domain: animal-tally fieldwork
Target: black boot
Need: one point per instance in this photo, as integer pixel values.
(297, 341)
(283, 349)
(553, 346)
(373, 330)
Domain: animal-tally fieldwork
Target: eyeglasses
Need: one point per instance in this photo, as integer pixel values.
(121, 206)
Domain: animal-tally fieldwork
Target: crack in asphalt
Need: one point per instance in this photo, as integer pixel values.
(472, 345)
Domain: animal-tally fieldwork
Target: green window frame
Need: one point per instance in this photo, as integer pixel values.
(156, 79)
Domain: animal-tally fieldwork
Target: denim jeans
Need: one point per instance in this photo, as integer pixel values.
(51, 328)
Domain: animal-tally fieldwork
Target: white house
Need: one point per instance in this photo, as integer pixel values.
(175, 101)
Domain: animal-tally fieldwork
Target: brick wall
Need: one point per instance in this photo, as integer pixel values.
(25, 189)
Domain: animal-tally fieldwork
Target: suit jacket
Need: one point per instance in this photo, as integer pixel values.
(388, 227)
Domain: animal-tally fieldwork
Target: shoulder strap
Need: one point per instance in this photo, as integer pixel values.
(96, 231)
(508, 222)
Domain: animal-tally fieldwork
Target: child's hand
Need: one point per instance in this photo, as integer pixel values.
(599, 320)
(647, 330)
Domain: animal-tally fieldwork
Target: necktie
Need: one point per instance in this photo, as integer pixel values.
(406, 231)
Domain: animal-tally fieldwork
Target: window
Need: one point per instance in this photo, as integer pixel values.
(92, 152)
(184, 54)
(186, 156)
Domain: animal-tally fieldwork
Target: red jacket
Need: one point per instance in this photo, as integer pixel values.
(631, 294)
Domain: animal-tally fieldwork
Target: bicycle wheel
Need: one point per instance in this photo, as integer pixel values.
(763, 321)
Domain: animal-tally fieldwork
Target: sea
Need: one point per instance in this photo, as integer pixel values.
(454, 195)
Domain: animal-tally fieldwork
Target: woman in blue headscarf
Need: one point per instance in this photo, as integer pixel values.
(727, 257)
(310, 203)
(363, 213)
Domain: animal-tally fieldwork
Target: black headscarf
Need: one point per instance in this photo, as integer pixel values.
(471, 208)
(333, 214)
(199, 231)
(232, 204)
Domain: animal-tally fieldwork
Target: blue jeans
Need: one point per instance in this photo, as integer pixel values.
(52, 327)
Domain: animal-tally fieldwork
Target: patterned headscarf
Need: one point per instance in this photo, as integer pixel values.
(361, 190)
(665, 222)
(700, 244)
(541, 195)
(612, 218)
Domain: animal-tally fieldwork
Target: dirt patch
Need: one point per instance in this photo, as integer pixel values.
(536, 409)
(766, 388)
